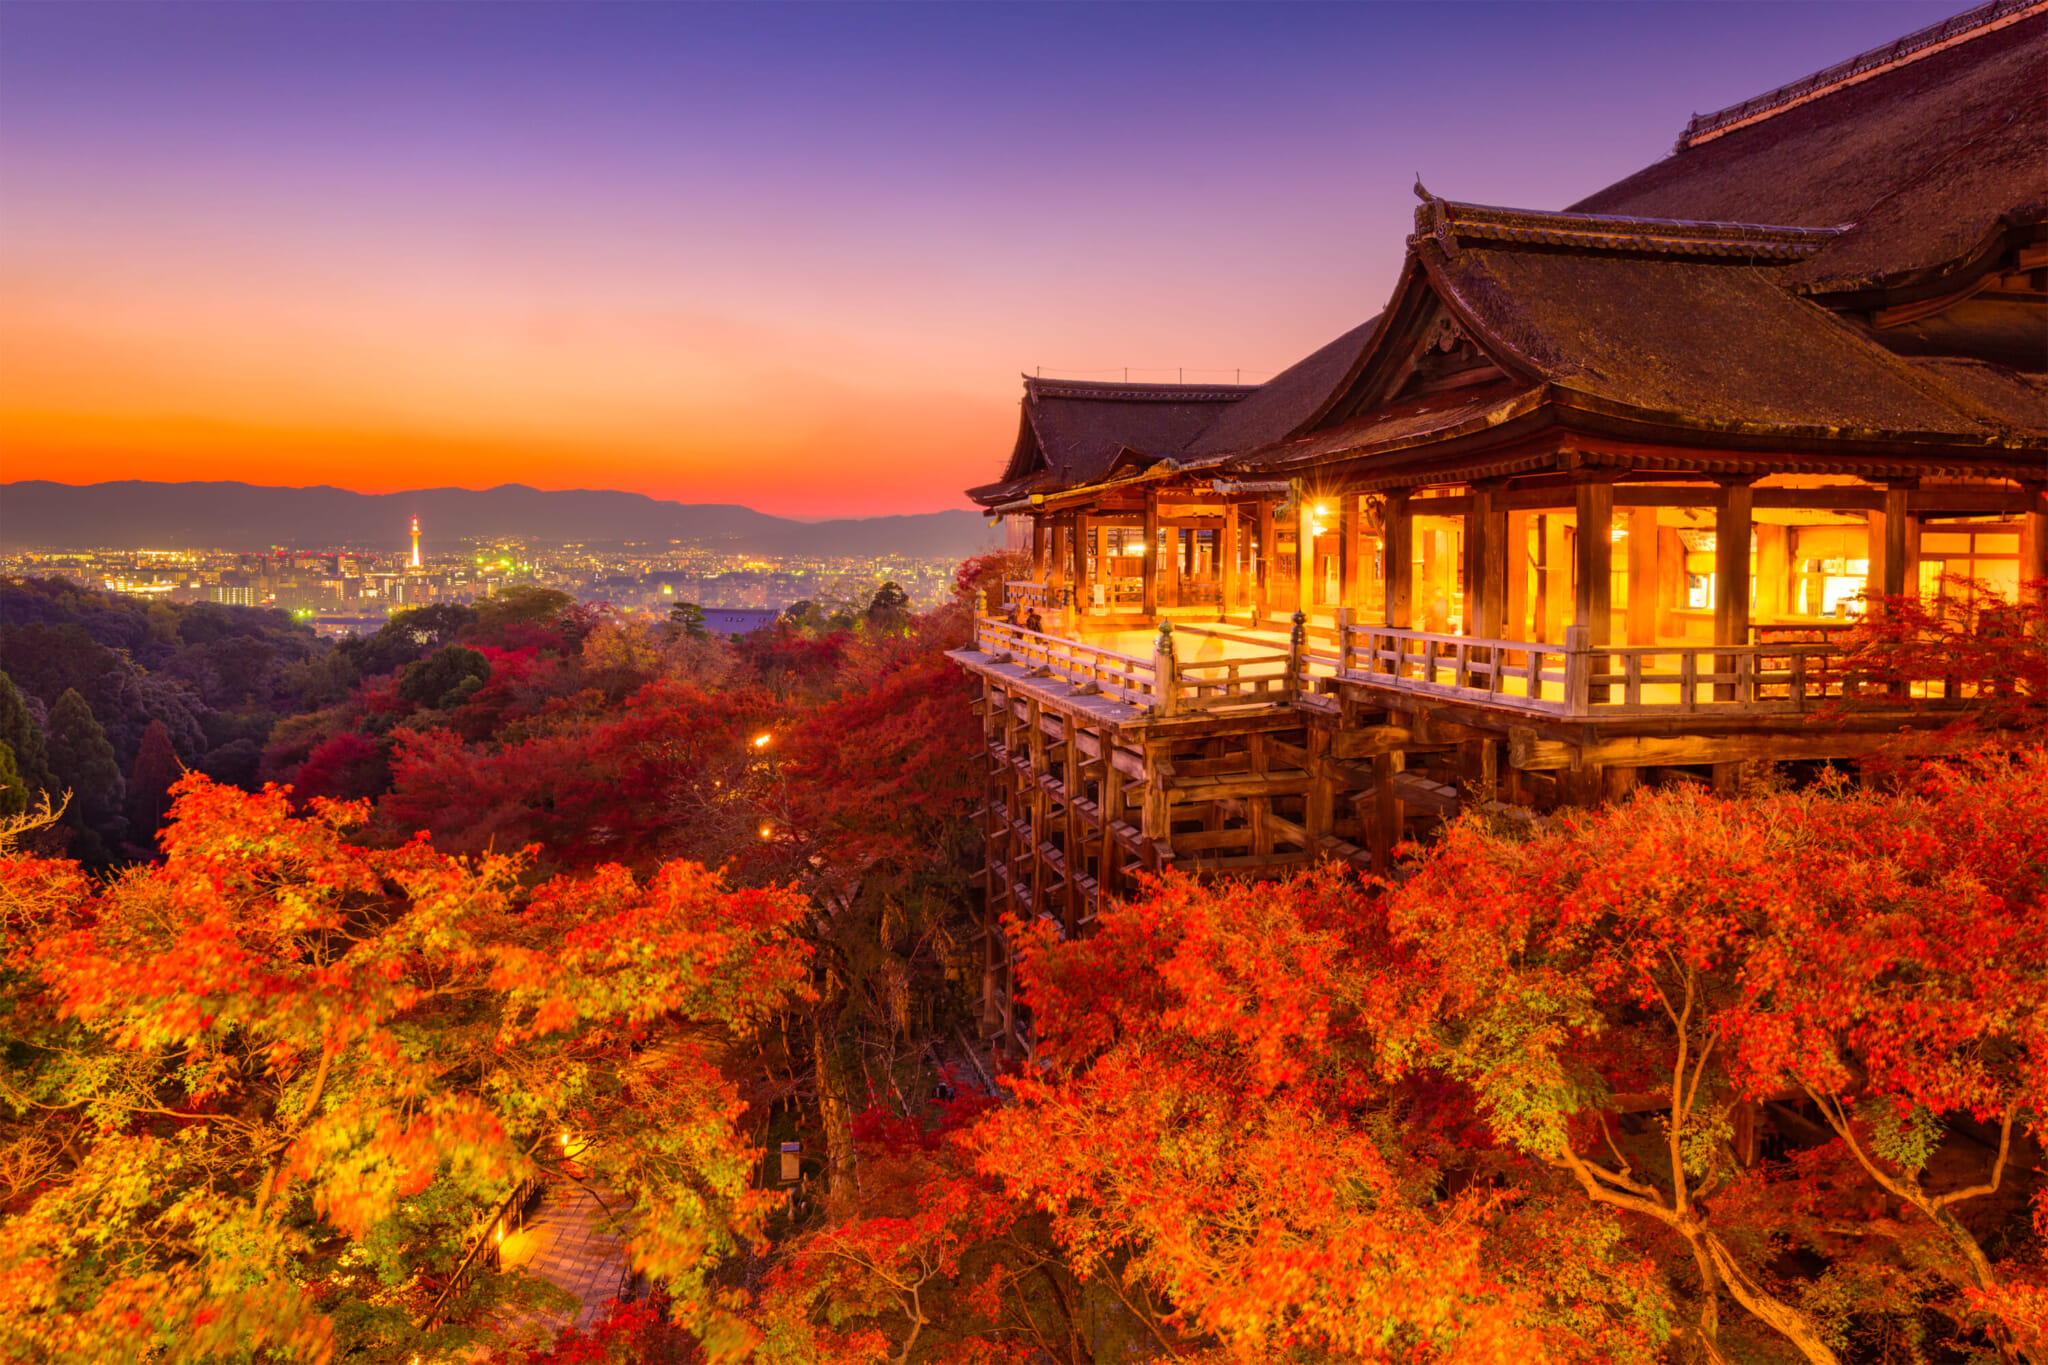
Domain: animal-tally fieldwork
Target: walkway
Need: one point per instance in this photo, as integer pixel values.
(571, 1243)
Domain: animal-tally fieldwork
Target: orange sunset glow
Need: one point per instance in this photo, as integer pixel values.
(791, 257)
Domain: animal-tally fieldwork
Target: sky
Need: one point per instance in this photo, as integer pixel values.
(787, 255)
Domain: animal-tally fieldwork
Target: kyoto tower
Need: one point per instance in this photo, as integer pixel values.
(415, 542)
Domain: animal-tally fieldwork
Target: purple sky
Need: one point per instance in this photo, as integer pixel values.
(787, 255)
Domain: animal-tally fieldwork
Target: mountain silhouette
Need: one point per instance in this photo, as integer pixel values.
(134, 514)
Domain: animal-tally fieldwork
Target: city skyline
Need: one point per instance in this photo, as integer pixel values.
(792, 258)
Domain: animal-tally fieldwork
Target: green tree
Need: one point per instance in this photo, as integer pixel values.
(523, 602)
(687, 618)
(82, 762)
(889, 609)
(446, 678)
(14, 797)
(21, 734)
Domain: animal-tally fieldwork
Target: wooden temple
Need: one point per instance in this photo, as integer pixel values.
(1582, 507)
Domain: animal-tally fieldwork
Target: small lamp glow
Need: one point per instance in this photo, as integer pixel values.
(761, 740)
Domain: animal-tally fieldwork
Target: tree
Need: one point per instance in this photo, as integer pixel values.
(688, 619)
(260, 1094)
(1964, 652)
(1623, 996)
(21, 733)
(14, 793)
(1206, 1131)
(149, 787)
(345, 767)
(888, 610)
(444, 679)
(82, 763)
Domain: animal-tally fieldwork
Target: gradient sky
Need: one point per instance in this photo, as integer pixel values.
(787, 255)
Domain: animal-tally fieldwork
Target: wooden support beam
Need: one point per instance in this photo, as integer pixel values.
(1227, 551)
(1485, 563)
(1593, 574)
(1169, 587)
(1888, 540)
(1529, 754)
(1350, 571)
(1150, 562)
(1304, 550)
(1384, 823)
(1038, 548)
(1083, 538)
(1593, 562)
(1400, 556)
(1732, 525)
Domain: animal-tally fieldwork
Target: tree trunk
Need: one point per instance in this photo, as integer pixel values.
(835, 1111)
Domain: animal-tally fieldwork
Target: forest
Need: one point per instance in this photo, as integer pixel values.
(311, 956)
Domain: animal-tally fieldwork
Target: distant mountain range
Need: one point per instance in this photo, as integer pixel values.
(38, 515)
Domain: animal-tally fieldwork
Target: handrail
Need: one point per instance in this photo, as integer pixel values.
(1571, 678)
(517, 1204)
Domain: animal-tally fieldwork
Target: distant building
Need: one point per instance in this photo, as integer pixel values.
(719, 621)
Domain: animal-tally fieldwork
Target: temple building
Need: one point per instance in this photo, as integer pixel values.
(1583, 506)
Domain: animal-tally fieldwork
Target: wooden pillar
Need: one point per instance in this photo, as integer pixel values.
(1072, 851)
(1593, 576)
(1150, 562)
(1103, 573)
(1387, 815)
(1731, 577)
(1516, 551)
(1304, 551)
(1486, 588)
(1350, 569)
(1109, 862)
(1642, 576)
(1888, 539)
(1083, 543)
(1169, 590)
(1262, 589)
(1037, 548)
(1593, 563)
(1226, 551)
(1400, 557)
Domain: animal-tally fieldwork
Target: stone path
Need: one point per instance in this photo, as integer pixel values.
(570, 1242)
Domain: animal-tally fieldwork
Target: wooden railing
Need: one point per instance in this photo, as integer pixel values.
(1577, 679)
(510, 1217)
(1566, 679)
(1022, 594)
(1089, 668)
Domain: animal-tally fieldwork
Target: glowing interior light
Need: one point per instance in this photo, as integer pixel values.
(766, 831)
(761, 741)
